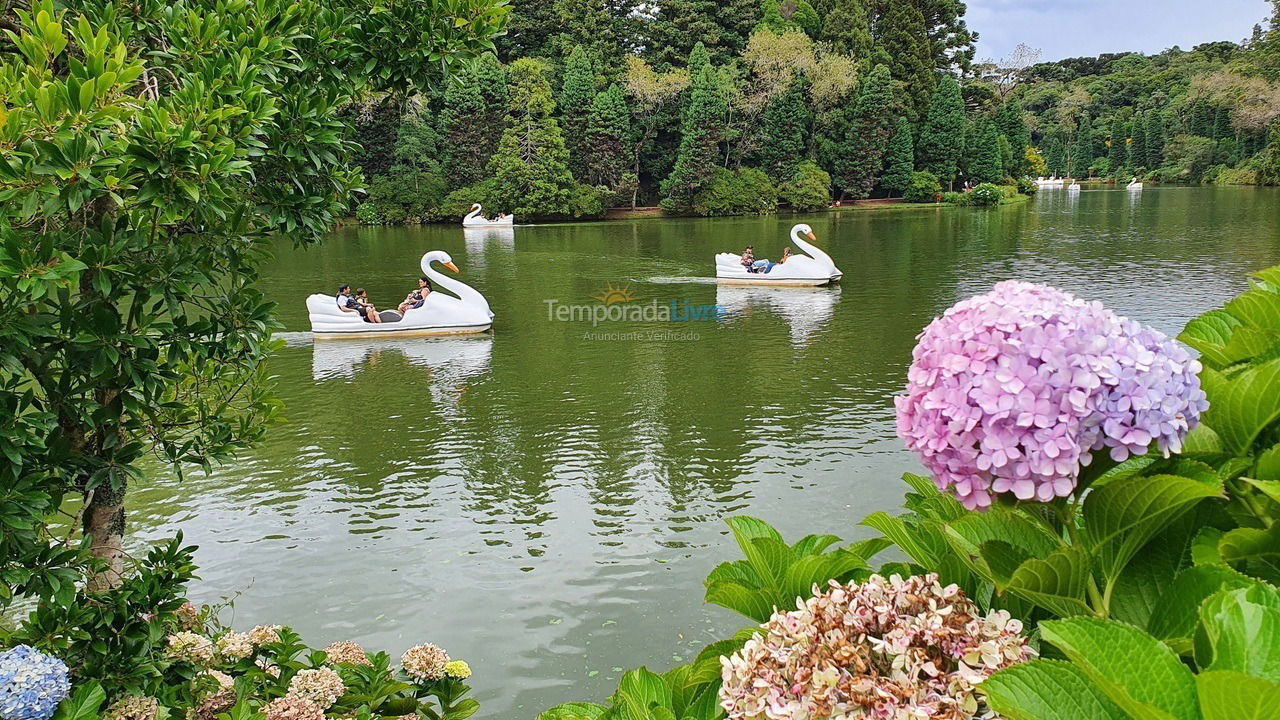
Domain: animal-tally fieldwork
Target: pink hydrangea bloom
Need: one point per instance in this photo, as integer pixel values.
(1012, 392)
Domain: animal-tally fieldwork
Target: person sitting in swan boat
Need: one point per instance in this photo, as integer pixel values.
(370, 312)
(753, 265)
(347, 303)
(417, 297)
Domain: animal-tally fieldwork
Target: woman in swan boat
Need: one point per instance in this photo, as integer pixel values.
(815, 267)
(475, 219)
(438, 313)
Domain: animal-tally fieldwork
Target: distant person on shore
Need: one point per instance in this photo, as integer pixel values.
(417, 297)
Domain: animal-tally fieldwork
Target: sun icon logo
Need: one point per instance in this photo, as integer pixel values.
(611, 294)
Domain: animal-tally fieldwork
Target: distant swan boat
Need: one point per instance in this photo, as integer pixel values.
(813, 268)
(475, 219)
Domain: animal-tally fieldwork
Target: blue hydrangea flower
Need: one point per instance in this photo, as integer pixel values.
(31, 684)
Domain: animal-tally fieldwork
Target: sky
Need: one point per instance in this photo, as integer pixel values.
(1074, 28)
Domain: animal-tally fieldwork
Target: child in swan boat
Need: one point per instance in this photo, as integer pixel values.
(760, 266)
(417, 297)
(370, 312)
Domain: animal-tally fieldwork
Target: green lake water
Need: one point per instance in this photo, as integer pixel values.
(544, 501)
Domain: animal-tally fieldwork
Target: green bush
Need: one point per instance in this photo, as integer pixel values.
(745, 192)
(1223, 175)
(924, 188)
(956, 198)
(1027, 186)
(808, 189)
(367, 214)
(589, 201)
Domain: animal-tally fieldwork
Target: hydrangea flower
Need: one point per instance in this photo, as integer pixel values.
(293, 707)
(458, 669)
(212, 701)
(345, 652)
(132, 707)
(190, 647)
(31, 684)
(264, 634)
(319, 685)
(234, 646)
(424, 662)
(884, 649)
(268, 667)
(188, 615)
(1014, 390)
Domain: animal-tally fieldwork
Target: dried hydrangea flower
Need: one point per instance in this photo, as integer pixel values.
(132, 707)
(458, 669)
(1012, 392)
(888, 648)
(31, 684)
(213, 701)
(190, 647)
(264, 634)
(293, 707)
(345, 652)
(188, 615)
(319, 685)
(234, 646)
(268, 667)
(424, 662)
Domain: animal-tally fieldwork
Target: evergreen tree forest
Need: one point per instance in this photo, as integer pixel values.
(727, 108)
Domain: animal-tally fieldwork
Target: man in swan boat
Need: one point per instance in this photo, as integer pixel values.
(348, 304)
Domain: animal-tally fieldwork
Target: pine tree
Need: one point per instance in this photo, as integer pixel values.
(899, 160)
(985, 163)
(904, 45)
(607, 146)
(782, 133)
(1202, 119)
(701, 129)
(1137, 155)
(1007, 164)
(852, 145)
(531, 167)
(941, 139)
(699, 58)
(1115, 148)
(1222, 124)
(1082, 149)
(847, 30)
(722, 25)
(577, 90)
(1055, 155)
(468, 146)
(1011, 123)
(1155, 139)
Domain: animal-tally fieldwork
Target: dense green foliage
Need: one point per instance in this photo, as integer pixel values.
(924, 188)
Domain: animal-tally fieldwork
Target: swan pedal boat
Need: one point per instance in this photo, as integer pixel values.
(474, 219)
(809, 270)
(440, 314)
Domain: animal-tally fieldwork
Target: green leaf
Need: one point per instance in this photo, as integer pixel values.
(1242, 406)
(1178, 610)
(1122, 516)
(83, 703)
(574, 711)
(1138, 672)
(1241, 631)
(1048, 690)
(1056, 583)
(1228, 695)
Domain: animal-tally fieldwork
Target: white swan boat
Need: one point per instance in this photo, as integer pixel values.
(1073, 187)
(813, 268)
(440, 314)
(1134, 184)
(1049, 182)
(474, 219)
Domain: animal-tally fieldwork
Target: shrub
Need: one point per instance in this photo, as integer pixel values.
(986, 195)
(924, 188)
(955, 198)
(589, 201)
(745, 192)
(407, 195)
(1027, 186)
(808, 189)
(367, 214)
(1222, 175)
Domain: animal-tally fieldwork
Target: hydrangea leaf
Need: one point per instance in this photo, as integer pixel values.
(1256, 308)
(1241, 631)
(1138, 672)
(641, 694)
(1057, 582)
(751, 603)
(1126, 514)
(1228, 695)
(1209, 334)
(1245, 544)
(922, 544)
(1202, 440)
(803, 574)
(1048, 690)
(1269, 465)
(1177, 611)
(1242, 406)
(83, 703)
(1147, 577)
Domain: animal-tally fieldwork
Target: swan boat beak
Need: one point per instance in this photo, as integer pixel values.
(451, 266)
(812, 236)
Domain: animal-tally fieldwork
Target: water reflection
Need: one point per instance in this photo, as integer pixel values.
(450, 362)
(805, 310)
(479, 241)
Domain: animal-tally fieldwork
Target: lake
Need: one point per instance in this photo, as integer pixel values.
(544, 501)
